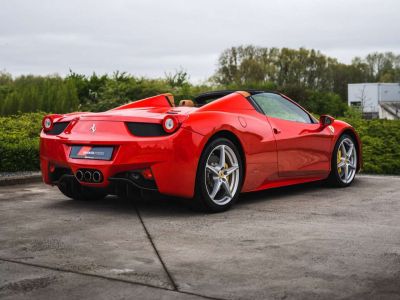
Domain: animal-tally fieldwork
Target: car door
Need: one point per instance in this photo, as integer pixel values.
(303, 146)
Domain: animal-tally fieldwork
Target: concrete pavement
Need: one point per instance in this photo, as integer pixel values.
(302, 242)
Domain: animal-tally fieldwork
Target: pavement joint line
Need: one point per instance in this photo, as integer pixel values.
(105, 277)
(171, 279)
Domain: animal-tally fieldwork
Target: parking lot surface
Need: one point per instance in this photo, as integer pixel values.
(301, 242)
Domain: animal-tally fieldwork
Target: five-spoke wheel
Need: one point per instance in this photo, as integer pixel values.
(219, 176)
(222, 174)
(344, 161)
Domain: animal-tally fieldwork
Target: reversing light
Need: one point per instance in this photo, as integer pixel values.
(47, 123)
(170, 124)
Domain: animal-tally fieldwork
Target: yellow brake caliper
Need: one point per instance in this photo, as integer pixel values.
(339, 158)
(228, 177)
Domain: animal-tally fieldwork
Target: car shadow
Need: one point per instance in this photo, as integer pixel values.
(160, 205)
(280, 192)
(283, 192)
(172, 206)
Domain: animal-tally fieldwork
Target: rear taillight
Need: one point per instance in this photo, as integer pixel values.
(47, 123)
(51, 124)
(170, 124)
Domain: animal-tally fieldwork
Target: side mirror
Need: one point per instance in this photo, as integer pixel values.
(326, 120)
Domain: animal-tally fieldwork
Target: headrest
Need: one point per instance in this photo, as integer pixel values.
(244, 94)
(188, 103)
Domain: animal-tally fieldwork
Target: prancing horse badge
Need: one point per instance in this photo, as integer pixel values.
(93, 128)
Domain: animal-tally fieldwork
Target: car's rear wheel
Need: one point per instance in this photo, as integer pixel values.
(72, 189)
(219, 176)
(344, 162)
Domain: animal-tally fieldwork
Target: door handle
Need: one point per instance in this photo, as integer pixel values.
(276, 130)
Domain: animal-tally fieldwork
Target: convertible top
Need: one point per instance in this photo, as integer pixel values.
(213, 95)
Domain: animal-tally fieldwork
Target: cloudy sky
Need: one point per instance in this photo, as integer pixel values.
(151, 37)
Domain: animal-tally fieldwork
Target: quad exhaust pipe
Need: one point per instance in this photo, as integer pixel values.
(97, 177)
(88, 176)
(79, 175)
(92, 176)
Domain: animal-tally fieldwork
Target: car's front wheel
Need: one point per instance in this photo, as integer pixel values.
(219, 176)
(344, 162)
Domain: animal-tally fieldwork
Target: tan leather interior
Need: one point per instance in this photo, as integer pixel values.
(188, 103)
(170, 98)
(244, 94)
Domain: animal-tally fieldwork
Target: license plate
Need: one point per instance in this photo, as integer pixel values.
(91, 152)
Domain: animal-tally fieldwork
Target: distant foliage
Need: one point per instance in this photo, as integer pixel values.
(83, 93)
(249, 64)
(324, 103)
(316, 81)
(37, 93)
(380, 67)
(304, 74)
(120, 88)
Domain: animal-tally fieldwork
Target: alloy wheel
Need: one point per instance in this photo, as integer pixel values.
(346, 160)
(222, 174)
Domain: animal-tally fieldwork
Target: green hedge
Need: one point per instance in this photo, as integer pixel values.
(381, 144)
(19, 143)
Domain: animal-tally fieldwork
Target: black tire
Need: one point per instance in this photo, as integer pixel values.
(202, 201)
(334, 178)
(72, 189)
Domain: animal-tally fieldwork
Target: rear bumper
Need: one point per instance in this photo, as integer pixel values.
(172, 159)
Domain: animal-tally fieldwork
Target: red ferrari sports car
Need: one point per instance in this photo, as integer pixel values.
(208, 149)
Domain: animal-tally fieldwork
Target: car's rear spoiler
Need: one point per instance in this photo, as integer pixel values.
(162, 100)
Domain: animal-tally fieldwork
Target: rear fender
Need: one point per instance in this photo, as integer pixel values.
(254, 134)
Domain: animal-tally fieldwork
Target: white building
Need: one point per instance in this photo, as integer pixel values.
(377, 100)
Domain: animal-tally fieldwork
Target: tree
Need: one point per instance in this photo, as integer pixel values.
(383, 67)
(177, 79)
